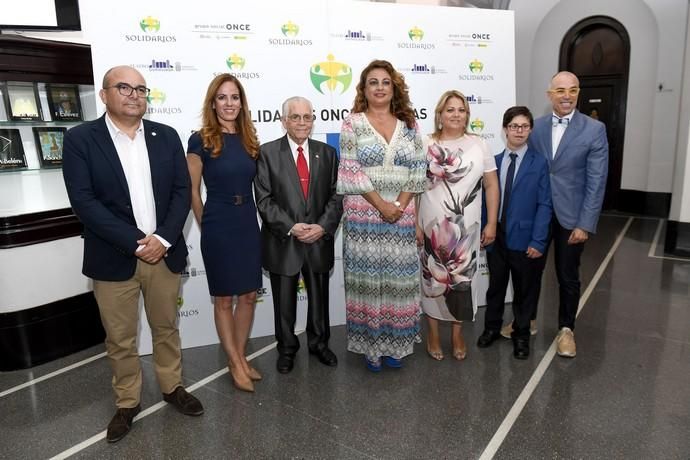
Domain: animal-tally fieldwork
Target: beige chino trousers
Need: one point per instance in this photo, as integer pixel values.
(118, 303)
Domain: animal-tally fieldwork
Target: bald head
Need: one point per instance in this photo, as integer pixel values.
(563, 92)
(563, 75)
(124, 95)
(108, 77)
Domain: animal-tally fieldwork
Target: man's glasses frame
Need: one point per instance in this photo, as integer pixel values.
(560, 92)
(515, 127)
(126, 90)
(296, 118)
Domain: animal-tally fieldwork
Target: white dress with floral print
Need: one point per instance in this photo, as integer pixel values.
(450, 214)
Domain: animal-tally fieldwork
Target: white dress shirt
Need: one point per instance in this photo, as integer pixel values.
(558, 131)
(134, 158)
(293, 149)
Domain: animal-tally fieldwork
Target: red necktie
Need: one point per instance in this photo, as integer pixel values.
(302, 171)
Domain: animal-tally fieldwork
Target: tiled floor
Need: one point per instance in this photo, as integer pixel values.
(626, 395)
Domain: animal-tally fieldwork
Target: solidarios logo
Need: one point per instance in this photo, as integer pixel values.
(476, 72)
(416, 36)
(150, 26)
(235, 62)
(331, 74)
(157, 99)
(477, 125)
(289, 30)
(476, 66)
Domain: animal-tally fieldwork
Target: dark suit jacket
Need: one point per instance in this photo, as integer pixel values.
(528, 216)
(281, 204)
(578, 170)
(98, 192)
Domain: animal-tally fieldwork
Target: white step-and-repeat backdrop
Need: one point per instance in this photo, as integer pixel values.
(313, 49)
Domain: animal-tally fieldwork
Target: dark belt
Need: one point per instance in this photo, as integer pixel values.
(235, 200)
(239, 200)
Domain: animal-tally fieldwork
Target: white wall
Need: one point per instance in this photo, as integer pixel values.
(680, 202)
(657, 37)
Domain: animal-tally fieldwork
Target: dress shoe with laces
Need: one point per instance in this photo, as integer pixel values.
(487, 338)
(285, 363)
(521, 347)
(121, 423)
(565, 341)
(184, 402)
(507, 330)
(325, 356)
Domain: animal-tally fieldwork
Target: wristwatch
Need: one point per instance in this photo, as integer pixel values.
(396, 203)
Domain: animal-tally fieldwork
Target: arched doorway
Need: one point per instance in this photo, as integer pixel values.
(597, 50)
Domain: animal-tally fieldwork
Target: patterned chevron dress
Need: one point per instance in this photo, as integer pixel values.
(381, 263)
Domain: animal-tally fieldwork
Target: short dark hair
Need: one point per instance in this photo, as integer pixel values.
(516, 111)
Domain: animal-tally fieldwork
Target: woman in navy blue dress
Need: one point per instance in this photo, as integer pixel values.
(224, 153)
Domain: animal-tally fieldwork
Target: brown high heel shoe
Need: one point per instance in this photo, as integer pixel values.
(254, 374)
(245, 384)
(459, 349)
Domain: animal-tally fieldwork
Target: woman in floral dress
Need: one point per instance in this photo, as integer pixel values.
(449, 222)
(382, 167)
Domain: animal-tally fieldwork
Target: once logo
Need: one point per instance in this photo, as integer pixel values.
(290, 29)
(156, 97)
(332, 74)
(416, 34)
(235, 62)
(150, 24)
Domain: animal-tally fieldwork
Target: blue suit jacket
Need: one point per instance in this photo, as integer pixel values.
(578, 171)
(98, 192)
(528, 217)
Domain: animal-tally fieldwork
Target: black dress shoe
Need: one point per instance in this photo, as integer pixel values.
(121, 423)
(285, 363)
(326, 356)
(487, 338)
(521, 347)
(184, 402)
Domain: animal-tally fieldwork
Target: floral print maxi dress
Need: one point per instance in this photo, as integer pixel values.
(380, 260)
(450, 215)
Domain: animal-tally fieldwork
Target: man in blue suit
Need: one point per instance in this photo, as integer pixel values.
(128, 183)
(522, 233)
(577, 150)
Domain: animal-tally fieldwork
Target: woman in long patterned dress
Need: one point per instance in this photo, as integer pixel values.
(449, 221)
(382, 168)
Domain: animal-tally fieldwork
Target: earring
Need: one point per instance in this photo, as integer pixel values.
(440, 126)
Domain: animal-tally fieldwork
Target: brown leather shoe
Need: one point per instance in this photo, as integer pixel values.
(184, 402)
(121, 423)
(566, 343)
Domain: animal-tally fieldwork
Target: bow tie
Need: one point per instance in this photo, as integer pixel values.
(562, 121)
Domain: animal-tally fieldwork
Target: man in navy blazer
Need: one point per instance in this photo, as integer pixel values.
(128, 183)
(522, 234)
(577, 151)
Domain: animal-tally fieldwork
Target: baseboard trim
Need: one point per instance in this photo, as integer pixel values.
(644, 203)
(677, 240)
(41, 334)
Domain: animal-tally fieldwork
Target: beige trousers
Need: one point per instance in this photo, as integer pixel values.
(118, 303)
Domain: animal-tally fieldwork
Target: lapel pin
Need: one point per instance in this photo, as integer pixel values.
(316, 156)
(153, 133)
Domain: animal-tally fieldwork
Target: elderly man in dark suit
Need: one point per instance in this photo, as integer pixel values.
(300, 212)
(577, 150)
(128, 184)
